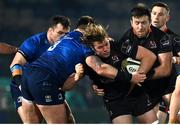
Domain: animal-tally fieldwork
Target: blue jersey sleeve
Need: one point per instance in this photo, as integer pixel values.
(34, 46)
(87, 51)
(28, 48)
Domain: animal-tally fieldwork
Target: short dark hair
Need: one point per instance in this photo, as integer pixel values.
(84, 20)
(139, 11)
(161, 4)
(65, 21)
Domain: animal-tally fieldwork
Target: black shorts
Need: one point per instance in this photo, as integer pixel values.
(158, 87)
(162, 86)
(134, 106)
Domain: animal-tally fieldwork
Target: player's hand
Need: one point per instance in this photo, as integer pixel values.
(79, 71)
(176, 60)
(138, 78)
(97, 91)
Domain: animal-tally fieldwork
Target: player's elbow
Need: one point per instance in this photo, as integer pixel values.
(154, 57)
(100, 71)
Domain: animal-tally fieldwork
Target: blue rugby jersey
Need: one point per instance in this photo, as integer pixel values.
(62, 57)
(34, 46)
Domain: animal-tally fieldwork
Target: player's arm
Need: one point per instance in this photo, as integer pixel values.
(164, 69)
(107, 70)
(7, 49)
(16, 67)
(176, 59)
(147, 59)
(74, 77)
(18, 59)
(101, 68)
(97, 91)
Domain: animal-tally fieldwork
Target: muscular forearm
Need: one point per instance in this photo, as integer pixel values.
(69, 83)
(7, 49)
(146, 64)
(101, 68)
(161, 72)
(164, 69)
(147, 59)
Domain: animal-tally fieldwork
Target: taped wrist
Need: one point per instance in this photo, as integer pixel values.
(16, 71)
(150, 74)
(123, 76)
(163, 107)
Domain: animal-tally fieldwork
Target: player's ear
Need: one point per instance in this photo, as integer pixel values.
(131, 22)
(168, 18)
(93, 48)
(50, 29)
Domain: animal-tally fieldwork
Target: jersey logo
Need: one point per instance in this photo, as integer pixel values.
(165, 41)
(126, 47)
(48, 98)
(177, 39)
(54, 46)
(152, 44)
(115, 58)
(60, 97)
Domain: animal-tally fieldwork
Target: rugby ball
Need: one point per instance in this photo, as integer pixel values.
(130, 65)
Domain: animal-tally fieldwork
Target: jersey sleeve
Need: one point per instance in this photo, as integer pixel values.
(165, 44)
(28, 48)
(87, 51)
(176, 44)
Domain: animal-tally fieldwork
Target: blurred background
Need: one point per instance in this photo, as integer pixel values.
(19, 19)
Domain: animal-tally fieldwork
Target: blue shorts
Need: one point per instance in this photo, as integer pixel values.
(41, 86)
(16, 95)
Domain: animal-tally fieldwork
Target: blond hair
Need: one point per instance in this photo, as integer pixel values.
(94, 33)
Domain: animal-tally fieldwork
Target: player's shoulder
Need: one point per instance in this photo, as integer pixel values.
(157, 31)
(127, 34)
(172, 33)
(42, 35)
(37, 37)
(160, 36)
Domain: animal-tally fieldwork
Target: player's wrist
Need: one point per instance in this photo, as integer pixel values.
(17, 79)
(150, 74)
(16, 71)
(123, 76)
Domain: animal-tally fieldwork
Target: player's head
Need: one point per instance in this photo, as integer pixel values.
(83, 21)
(96, 36)
(59, 25)
(140, 20)
(160, 14)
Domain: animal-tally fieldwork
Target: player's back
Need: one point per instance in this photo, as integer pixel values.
(62, 57)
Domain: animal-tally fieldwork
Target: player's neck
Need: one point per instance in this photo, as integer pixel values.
(79, 30)
(163, 28)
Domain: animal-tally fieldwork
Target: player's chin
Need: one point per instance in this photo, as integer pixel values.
(141, 35)
(156, 25)
(106, 55)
